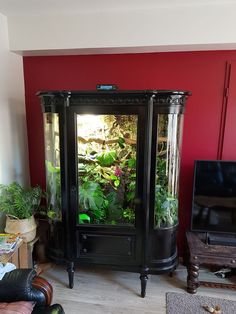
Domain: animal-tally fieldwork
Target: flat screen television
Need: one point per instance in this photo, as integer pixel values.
(214, 197)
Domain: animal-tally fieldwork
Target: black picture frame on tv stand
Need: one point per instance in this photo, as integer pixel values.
(214, 201)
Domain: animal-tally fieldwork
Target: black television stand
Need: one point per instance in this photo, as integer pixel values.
(221, 239)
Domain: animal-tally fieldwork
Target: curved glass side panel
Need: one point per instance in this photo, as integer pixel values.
(106, 146)
(52, 165)
(169, 129)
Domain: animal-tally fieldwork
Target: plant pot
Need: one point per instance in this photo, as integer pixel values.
(26, 228)
(163, 249)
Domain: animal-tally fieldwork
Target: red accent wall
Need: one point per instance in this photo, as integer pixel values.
(202, 73)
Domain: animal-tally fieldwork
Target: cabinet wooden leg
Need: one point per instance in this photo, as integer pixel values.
(192, 279)
(70, 270)
(144, 278)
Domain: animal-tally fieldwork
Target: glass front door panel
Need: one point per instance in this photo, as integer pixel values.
(52, 165)
(106, 147)
(169, 127)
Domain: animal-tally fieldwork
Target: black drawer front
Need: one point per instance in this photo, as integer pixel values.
(107, 245)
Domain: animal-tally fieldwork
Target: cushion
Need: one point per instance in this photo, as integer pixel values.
(21, 307)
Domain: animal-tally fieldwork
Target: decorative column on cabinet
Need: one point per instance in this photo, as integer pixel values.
(112, 169)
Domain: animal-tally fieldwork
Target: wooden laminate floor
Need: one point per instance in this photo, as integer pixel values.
(99, 291)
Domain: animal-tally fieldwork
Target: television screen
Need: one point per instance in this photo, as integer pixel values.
(214, 196)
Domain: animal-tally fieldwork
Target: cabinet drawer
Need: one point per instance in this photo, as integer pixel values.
(109, 245)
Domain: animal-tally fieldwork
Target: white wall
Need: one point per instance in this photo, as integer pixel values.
(13, 136)
(183, 27)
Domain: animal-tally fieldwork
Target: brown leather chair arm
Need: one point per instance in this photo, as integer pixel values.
(44, 286)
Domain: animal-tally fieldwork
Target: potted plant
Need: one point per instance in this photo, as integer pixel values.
(20, 205)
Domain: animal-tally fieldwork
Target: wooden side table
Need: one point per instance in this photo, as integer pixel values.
(21, 257)
(17, 257)
(200, 253)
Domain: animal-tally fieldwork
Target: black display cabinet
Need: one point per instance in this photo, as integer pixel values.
(112, 170)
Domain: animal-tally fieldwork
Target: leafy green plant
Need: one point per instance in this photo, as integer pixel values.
(107, 158)
(92, 200)
(115, 175)
(114, 208)
(166, 205)
(165, 208)
(129, 215)
(19, 202)
(53, 191)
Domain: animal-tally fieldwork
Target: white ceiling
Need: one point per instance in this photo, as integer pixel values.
(58, 7)
(40, 27)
